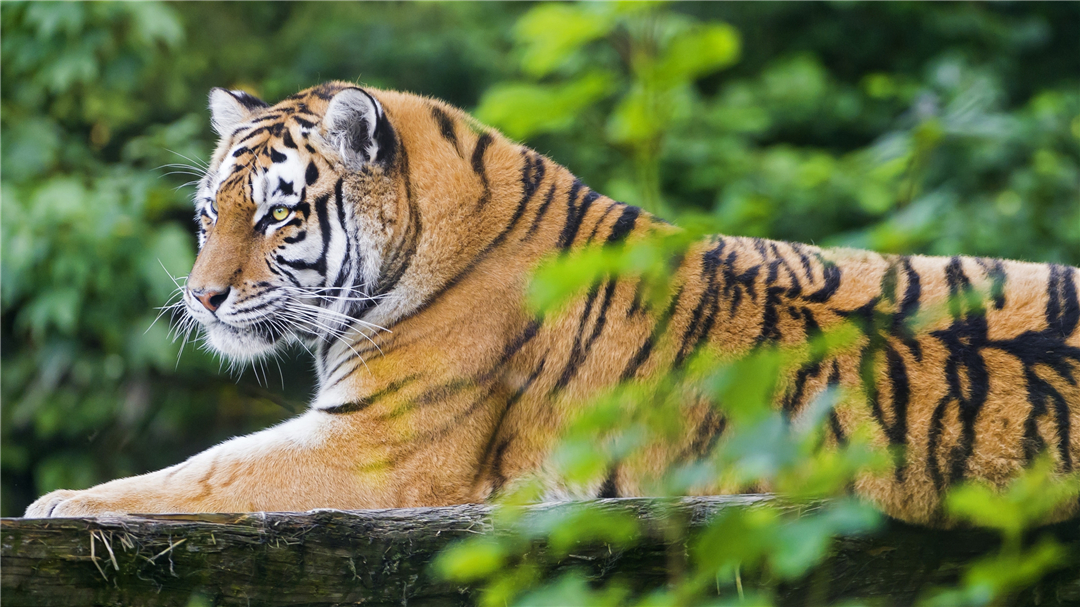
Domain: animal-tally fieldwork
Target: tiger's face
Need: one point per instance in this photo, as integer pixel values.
(296, 218)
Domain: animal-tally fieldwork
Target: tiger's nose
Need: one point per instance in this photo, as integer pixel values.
(211, 300)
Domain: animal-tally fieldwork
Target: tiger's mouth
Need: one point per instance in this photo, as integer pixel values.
(244, 343)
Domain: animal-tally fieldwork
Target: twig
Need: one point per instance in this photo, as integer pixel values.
(93, 556)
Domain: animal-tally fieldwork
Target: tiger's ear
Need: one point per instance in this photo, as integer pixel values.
(230, 108)
(356, 126)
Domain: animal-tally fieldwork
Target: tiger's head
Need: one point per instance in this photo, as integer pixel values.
(344, 210)
(300, 216)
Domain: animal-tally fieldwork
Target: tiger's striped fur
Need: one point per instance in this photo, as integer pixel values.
(404, 213)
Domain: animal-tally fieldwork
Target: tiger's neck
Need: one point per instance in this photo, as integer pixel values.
(487, 212)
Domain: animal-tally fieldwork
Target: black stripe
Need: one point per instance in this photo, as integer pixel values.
(478, 166)
(282, 271)
(832, 275)
(531, 176)
(541, 211)
(574, 216)
(277, 157)
(300, 264)
(624, 224)
(251, 134)
(770, 331)
(963, 340)
(571, 199)
(496, 464)
(760, 247)
(710, 295)
(324, 229)
(706, 436)
(601, 319)
(303, 207)
(285, 187)
(901, 396)
(326, 91)
(236, 311)
(909, 307)
(577, 355)
(834, 420)
(312, 173)
(607, 488)
(933, 437)
(579, 352)
(804, 259)
(345, 268)
(498, 479)
(599, 222)
(645, 350)
(247, 100)
(386, 140)
(1062, 307)
(265, 118)
(403, 257)
(364, 403)
(446, 127)
(960, 291)
(636, 304)
(793, 400)
(795, 290)
(287, 140)
(737, 284)
(519, 342)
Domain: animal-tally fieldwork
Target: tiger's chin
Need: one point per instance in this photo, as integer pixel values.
(240, 344)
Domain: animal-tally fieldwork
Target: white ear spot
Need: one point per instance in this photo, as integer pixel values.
(350, 122)
(230, 108)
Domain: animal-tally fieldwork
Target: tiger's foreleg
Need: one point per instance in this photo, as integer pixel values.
(304, 463)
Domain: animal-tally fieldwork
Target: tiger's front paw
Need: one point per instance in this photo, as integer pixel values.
(65, 503)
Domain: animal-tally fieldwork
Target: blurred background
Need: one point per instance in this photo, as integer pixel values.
(935, 128)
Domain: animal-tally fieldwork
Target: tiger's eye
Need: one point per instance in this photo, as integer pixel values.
(279, 213)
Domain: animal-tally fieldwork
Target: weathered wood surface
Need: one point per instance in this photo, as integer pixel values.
(382, 557)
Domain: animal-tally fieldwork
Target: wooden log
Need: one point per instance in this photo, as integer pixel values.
(382, 557)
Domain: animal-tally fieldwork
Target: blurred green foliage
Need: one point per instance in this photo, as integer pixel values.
(901, 127)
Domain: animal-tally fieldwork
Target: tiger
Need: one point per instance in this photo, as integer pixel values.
(396, 235)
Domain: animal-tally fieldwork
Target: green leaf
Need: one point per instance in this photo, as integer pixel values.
(470, 560)
(169, 256)
(694, 54)
(550, 33)
(1029, 498)
(522, 109)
